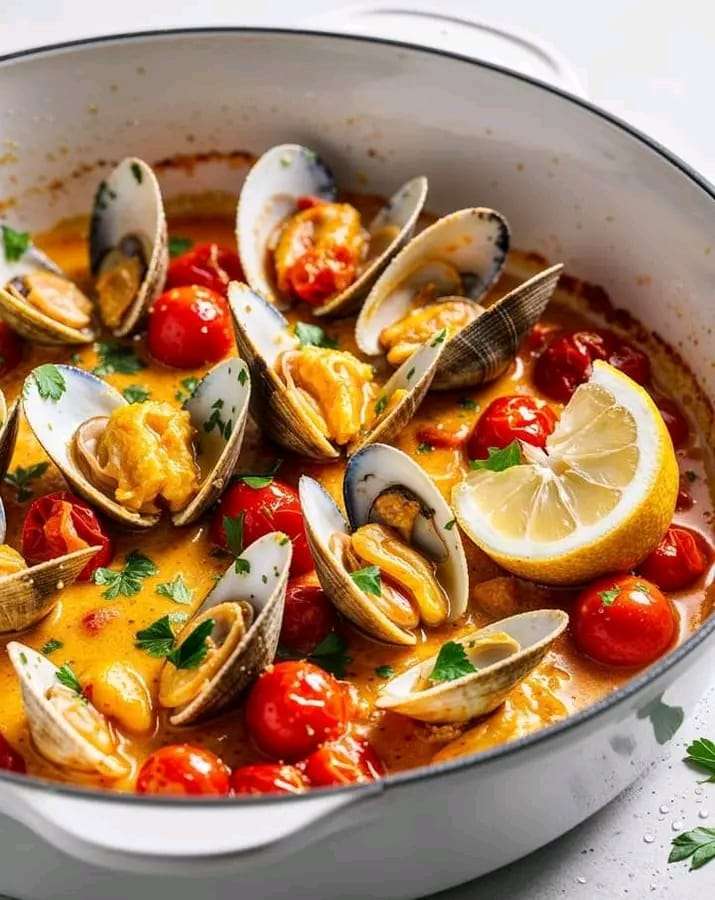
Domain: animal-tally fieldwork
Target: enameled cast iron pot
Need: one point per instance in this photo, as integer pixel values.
(577, 186)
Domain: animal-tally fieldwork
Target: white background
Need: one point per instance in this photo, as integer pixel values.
(648, 62)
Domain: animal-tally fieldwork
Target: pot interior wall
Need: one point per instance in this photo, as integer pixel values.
(575, 187)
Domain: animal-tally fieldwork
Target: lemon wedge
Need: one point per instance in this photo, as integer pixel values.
(597, 500)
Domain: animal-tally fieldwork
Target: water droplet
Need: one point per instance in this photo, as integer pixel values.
(664, 808)
(580, 880)
(703, 814)
(677, 825)
(698, 790)
(648, 838)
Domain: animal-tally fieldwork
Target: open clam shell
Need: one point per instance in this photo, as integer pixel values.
(263, 333)
(128, 218)
(268, 197)
(35, 274)
(503, 654)
(371, 474)
(9, 422)
(55, 734)
(218, 412)
(261, 584)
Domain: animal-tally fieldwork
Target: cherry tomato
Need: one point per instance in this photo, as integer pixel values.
(189, 327)
(675, 421)
(510, 418)
(294, 707)
(181, 769)
(318, 274)
(206, 265)
(566, 361)
(308, 616)
(96, 620)
(347, 761)
(268, 778)
(680, 558)
(10, 349)
(623, 620)
(540, 336)
(275, 507)
(60, 523)
(10, 759)
(439, 436)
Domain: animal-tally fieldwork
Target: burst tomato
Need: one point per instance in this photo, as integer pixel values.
(268, 778)
(318, 274)
(439, 436)
(623, 620)
(294, 707)
(274, 507)
(675, 421)
(10, 349)
(347, 761)
(308, 616)
(189, 327)
(61, 523)
(510, 418)
(182, 770)
(10, 759)
(206, 265)
(680, 558)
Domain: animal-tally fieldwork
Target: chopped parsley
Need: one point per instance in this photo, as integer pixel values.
(424, 447)
(410, 374)
(21, 478)
(191, 652)
(126, 581)
(702, 753)
(50, 382)
(368, 580)
(116, 358)
(452, 662)
(179, 245)
(609, 597)
(67, 677)
(467, 403)
(384, 671)
(15, 243)
(176, 590)
(499, 460)
(233, 527)
(330, 654)
(137, 172)
(242, 376)
(450, 525)
(260, 481)
(313, 336)
(186, 391)
(51, 645)
(380, 405)
(243, 566)
(135, 393)
(697, 845)
(439, 338)
(215, 420)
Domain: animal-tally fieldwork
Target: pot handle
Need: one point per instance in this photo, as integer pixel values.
(458, 31)
(174, 837)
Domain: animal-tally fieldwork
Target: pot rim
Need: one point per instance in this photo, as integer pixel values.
(427, 772)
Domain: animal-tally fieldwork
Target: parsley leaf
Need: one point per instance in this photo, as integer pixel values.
(50, 382)
(698, 844)
(368, 580)
(330, 654)
(257, 481)
(450, 525)
(128, 580)
(499, 459)
(179, 245)
(452, 662)
(608, 598)
(384, 671)
(467, 403)
(216, 421)
(51, 646)
(116, 358)
(424, 447)
(21, 479)
(137, 172)
(157, 639)
(313, 336)
(439, 338)
(702, 753)
(15, 243)
(380, 405)
(67, 677)
(243, 566)
(190, 654)
(233, 526)
(135, 393)
(186, 391)
(176, 590)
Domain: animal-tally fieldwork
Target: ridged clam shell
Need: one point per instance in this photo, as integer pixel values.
(263, 586)
(9, 422)
(128, 202)
(482, 691)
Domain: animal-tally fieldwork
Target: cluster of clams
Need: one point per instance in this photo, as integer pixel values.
(419, 312)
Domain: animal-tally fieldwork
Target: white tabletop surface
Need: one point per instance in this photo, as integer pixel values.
(648, 61)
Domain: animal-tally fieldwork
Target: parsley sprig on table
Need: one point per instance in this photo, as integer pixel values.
(128, 580)
(697, 845)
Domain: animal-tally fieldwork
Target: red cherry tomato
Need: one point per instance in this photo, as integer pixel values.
(308, 616)
(680, 558)
(566, 361)
(189, 327)
(439, 436)
(510, 418)
(181, 769)
(294, 707)
(318, 274)
(539, 337)
(10, 759)
(206, 265)
(60, 523)
(268, 778)
(623, 620)
(275, 507)
(10, 349)
(675, 421)
(347, 761)
(307, 201)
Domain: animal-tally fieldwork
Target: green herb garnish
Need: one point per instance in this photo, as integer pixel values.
(67, 677)
(702, 753)
(137, 172)
(499, 460)
(50, 382)
(51, 646)
(384, 671)
(467, 403)
(330, 654)
(452, 662)
(176, 590)
(233, 527)
(698, 844)
(135, 393)
(215, 420)
(243, 566)
(450, 525)
(313, 336)
(368, 580)
(22, 478)
(186, 391)
(15, 243)
(157, 639)
(126, 581)
(116, 358)
(608, 597)
(424, 447)
(380, 405)
(439, 338)
(191, 653)
(179, 245)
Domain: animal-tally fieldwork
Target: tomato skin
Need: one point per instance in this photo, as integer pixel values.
(319, 274)
(510, 418)
(60, 523)
(96, 620)
(189, 327)
(684, 500)
(10, 759)
(275, 507)
(10, 349)
(268, 778)
(680, 558)
(436, 436)
(632, 630)
(347, 761)
(675, 421)
(293, 707)
(183, 770)
(539, 337)
(206, 265)
(308, 616)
